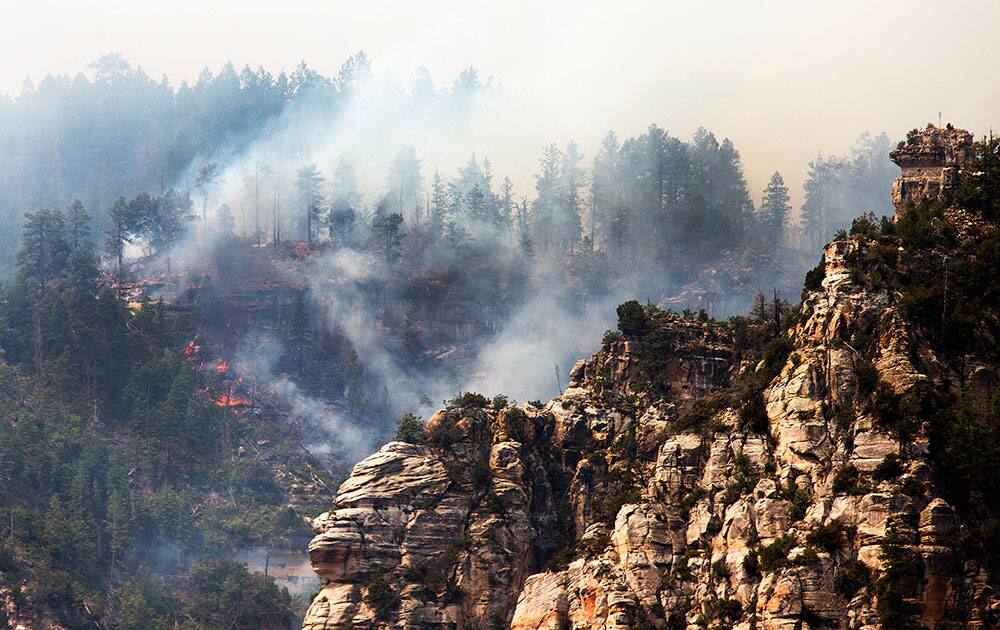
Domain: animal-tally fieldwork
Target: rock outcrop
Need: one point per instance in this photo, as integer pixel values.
(680, 481)
(930, 161)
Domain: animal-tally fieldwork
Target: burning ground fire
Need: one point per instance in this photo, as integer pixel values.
(230, 400)
(227, 400)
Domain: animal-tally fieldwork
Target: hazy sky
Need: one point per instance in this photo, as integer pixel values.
(782, 79)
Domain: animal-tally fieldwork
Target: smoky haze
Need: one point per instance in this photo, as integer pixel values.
(511, 286)
(782, 79)
(423, 271)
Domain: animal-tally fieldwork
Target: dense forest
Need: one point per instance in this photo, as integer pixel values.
(122, 133)
(132, 465)
(123, 478)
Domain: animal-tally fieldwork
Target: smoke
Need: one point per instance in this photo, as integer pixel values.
(366, 127)
(532, 355)
(328, 433)
(542, 329)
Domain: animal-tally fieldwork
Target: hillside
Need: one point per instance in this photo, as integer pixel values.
(136, 469)
(830, 464)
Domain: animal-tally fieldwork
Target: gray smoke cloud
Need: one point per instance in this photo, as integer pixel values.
(328, 433)
(531, 351)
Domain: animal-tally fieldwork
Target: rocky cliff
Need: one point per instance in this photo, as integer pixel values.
(775, 471)
(930, 161)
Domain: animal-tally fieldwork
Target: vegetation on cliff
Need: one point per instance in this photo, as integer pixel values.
(826, 464)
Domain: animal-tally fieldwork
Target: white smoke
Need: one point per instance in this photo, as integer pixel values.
(329, 433)
(530, 355)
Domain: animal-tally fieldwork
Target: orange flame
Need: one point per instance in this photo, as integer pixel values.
(190, 349)
(222, 367)
(228, 400)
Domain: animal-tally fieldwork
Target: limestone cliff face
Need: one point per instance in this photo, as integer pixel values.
(620, 505)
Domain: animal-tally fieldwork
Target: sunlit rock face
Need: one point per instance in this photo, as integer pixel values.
(930, 161)
(610, 508)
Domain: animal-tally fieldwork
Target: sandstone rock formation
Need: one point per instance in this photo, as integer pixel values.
(678, 483)
(930, 161)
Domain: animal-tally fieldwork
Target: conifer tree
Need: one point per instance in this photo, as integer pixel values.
(774, 211)
(77, 224)
(309, 185)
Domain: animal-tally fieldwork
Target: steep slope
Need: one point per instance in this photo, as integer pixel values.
(794, 469)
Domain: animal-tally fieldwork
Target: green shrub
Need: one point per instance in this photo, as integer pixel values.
(742, 479)
(807, 557)
(515, 424)
(965, 442)
(774, 556)
(410, 430)
(564, 530)
(445, 432)
(617, 495)
(380, 595)
(850, 577)
(611, 337)
(753, 414)
(866, 226)
(847, 480)
(898, 584)
(889, 468)
(480, 475)
(720, 570)
(831, 536)
(699, 413)
(775, 355)
(798, 497)
(632, 319)
(468, 400)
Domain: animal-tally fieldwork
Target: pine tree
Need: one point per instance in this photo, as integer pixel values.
(505, 204)
(405, 184)
(43, 255)
(439, 206)
(120, 234)
(573, 177)
(205, 184)
(77, 224)
(308, 184)
(44, 247)
(604, 189)
(815, 207)
(173, 215)
(548, 183)
(774, 211)
(388, 236)
(476, 203)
